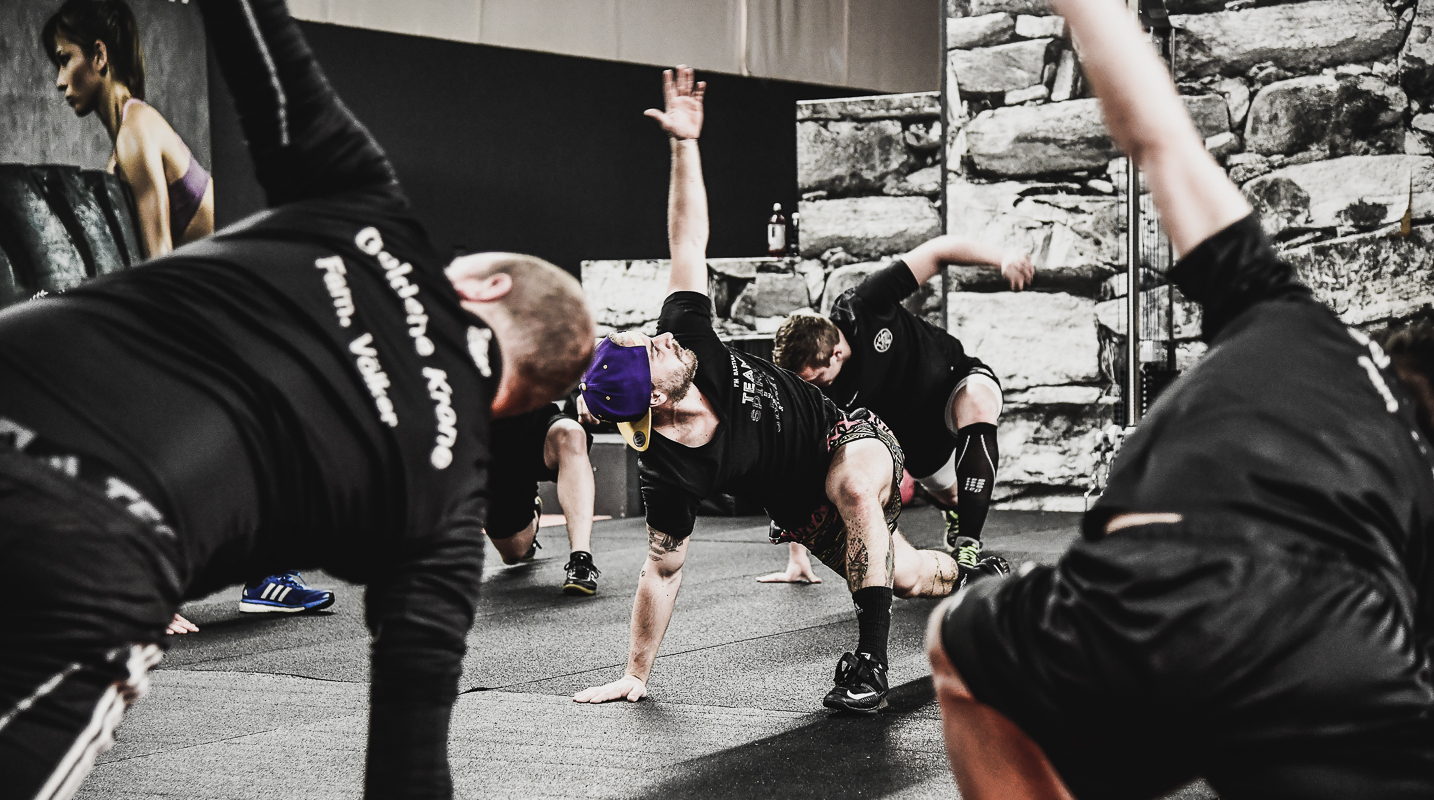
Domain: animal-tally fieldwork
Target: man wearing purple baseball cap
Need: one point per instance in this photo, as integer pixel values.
(707, 419)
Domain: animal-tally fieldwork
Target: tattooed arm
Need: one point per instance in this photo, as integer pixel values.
(651, 611)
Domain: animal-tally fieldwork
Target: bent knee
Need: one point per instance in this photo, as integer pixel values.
(850, 492)
(977, 403)
(568, 436)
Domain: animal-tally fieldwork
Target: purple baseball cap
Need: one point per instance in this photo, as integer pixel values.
(618, 388)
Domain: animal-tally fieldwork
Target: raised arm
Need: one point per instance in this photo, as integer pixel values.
(651, 611)
(305, 143)
(686, 195)
(928, 258)
(1150, 124)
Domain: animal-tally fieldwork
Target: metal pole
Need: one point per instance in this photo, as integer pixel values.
(1132, 286)
(944, 285)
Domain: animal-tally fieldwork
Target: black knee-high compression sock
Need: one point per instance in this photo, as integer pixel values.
(873, 620)
(975, 475)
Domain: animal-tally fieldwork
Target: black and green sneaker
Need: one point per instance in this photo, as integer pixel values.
(582, 575)
(953, 528)
(967, 552)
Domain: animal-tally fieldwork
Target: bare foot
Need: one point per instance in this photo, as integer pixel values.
(181, 625)
(792, 574)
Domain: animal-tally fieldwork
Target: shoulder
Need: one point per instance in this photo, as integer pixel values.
(144, 123)
(144, 131)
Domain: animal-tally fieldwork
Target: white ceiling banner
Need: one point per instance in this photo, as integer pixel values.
(879, 45)
(800, 40)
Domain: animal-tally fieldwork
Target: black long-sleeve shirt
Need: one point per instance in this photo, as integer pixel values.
(303, 389)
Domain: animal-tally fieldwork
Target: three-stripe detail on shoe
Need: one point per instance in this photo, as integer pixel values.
(276, 592)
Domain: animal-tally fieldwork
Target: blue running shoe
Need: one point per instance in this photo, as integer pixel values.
(283, 593)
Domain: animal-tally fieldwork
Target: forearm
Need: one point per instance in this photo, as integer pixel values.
(928, 258)
(1137, 96)
(303, 140)
(420, 615)
(651, 613)
(687, 226)
(1150, 124)
(154, 224)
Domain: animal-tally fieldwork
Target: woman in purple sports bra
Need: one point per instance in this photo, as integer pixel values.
(96, 46)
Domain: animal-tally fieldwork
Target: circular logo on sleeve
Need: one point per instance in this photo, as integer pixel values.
(883, 340)
(638, 439)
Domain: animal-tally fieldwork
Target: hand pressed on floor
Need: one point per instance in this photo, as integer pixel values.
(181, 625)
(627, 687)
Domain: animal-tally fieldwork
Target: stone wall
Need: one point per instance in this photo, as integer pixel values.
(749, 295)
(1318, 110)
(869, 170)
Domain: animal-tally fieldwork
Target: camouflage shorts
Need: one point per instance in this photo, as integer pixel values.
(824, 533)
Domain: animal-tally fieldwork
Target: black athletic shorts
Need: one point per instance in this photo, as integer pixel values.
(86, 590)
(1212, 647)
(517, 468)
(929, 451)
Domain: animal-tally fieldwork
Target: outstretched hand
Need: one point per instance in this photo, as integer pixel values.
(799, 568)
(1016, 267)
(792, 574)
(627, 687)
(181, 625)
(682, 117)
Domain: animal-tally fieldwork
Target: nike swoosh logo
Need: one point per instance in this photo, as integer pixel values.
(861, 696)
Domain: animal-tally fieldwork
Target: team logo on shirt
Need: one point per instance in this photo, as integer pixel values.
(883, 340)
(638, 440)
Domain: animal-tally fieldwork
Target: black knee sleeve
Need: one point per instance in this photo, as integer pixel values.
(975, 475)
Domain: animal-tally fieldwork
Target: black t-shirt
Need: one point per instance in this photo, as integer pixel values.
(302, 389)
(1291, 418)
(771, 439)
(902, 367)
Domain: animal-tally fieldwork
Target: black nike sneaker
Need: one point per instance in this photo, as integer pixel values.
(860, 685)
(582, 575)
(987, 567)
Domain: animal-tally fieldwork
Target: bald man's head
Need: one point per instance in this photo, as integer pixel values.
(544, 327)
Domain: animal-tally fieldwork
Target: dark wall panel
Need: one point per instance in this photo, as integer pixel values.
(530, 152)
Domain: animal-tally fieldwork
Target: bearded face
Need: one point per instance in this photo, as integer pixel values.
(677, 383)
